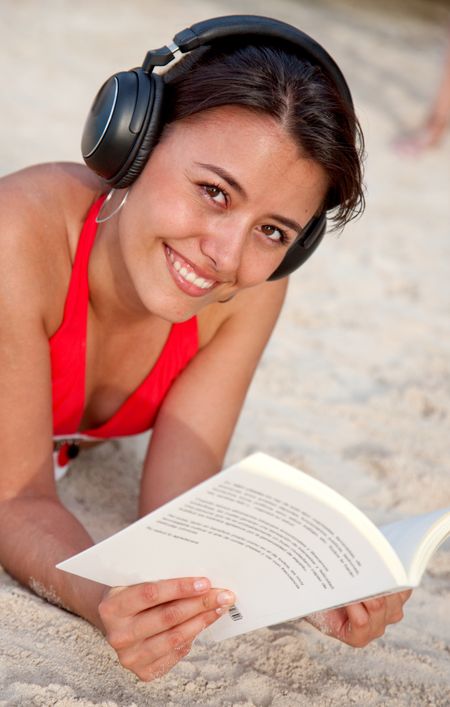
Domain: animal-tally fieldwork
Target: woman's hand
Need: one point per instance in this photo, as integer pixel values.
(151, 626)
(358, 624)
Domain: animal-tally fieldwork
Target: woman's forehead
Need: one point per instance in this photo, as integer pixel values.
(249, 153)
(238, 118)
(234, 134)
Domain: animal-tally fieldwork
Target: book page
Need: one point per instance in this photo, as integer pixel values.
(416, 539)
(263, 529)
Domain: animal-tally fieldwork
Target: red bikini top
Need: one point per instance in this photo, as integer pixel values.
(68, 359)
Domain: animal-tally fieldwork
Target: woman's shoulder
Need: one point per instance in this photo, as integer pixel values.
(42, 209)
(47, 201)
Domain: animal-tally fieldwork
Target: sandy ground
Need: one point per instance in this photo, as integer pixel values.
(354, 387)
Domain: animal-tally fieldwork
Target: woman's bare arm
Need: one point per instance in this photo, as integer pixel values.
(198, 417)
(36, 531)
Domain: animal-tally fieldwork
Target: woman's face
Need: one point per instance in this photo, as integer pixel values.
(220, 200)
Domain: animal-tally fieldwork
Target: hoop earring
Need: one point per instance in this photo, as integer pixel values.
(102, 219)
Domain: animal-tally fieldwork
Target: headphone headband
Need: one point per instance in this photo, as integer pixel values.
(248, 26)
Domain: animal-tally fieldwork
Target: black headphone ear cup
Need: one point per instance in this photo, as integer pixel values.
(303, 247)
(107, 135)
(150, 133)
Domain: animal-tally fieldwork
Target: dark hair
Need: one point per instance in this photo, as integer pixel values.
(298, 93)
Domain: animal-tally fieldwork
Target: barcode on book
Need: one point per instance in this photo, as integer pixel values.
(235, 613)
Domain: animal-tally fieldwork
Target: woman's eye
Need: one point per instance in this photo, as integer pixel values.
(216, 194)
(274, 234)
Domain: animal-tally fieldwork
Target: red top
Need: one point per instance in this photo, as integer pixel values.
(68, 358)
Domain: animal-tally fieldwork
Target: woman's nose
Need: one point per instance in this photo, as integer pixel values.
(223, 246)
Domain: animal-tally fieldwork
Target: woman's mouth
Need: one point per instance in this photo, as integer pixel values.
(185, 275)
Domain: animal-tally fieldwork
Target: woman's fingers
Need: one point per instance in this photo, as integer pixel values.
(390, 607)
(358, 624)
(151, 671)
(404, 596)
(166, 616)
(142, 657)
(128, 601)
(365, 622)
(368, 620)
(150, 625)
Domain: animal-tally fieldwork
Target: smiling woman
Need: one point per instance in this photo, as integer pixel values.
(221, 223)
(150, 306)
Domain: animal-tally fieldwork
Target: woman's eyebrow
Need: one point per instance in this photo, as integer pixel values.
(221, 172)
(231, 181)
(289, 223)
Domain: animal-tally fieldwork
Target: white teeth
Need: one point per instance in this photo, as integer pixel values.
(204, 284)
(189, 275)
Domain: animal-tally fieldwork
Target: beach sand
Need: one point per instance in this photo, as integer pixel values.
(354, 387)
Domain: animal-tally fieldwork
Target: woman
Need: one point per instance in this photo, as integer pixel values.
(256, 143)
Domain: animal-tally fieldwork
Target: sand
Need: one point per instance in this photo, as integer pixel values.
(354, 387)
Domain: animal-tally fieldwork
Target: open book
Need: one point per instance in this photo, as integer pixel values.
(285, 543)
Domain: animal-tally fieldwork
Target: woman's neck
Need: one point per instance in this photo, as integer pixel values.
(112, 294)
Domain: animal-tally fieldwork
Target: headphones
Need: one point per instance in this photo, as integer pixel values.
(125, 120)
